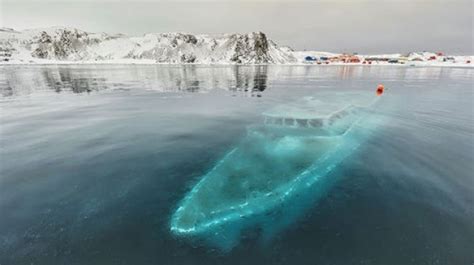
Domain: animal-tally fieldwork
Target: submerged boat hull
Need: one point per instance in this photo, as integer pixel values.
(268, 180)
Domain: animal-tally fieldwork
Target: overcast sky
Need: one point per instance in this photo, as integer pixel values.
(341, 26)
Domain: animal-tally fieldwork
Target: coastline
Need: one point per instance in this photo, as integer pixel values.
(151, 62)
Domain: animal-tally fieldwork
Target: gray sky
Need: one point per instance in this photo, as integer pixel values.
(376, 26)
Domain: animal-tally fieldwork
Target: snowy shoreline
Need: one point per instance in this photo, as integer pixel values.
(151, 62)
(71, 46)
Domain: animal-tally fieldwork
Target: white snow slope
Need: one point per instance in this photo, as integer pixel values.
(56, 45)
(74, 45)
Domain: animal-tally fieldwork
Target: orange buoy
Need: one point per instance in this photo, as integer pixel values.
(379, 90)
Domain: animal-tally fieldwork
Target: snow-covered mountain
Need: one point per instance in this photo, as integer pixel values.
(56, 45)
(70, 44)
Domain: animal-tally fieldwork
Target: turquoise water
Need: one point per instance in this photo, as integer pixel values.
(95, 160)
(279, 169)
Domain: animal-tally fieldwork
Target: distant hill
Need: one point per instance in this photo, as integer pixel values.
(56, 45)
(70, 44)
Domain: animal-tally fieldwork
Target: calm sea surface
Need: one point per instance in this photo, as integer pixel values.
(94, 160)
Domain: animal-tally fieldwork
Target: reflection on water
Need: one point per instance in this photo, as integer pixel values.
(249, 80)
(94, 160)
(244, 80)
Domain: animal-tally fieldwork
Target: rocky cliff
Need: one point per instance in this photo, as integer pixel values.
(74, 45)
